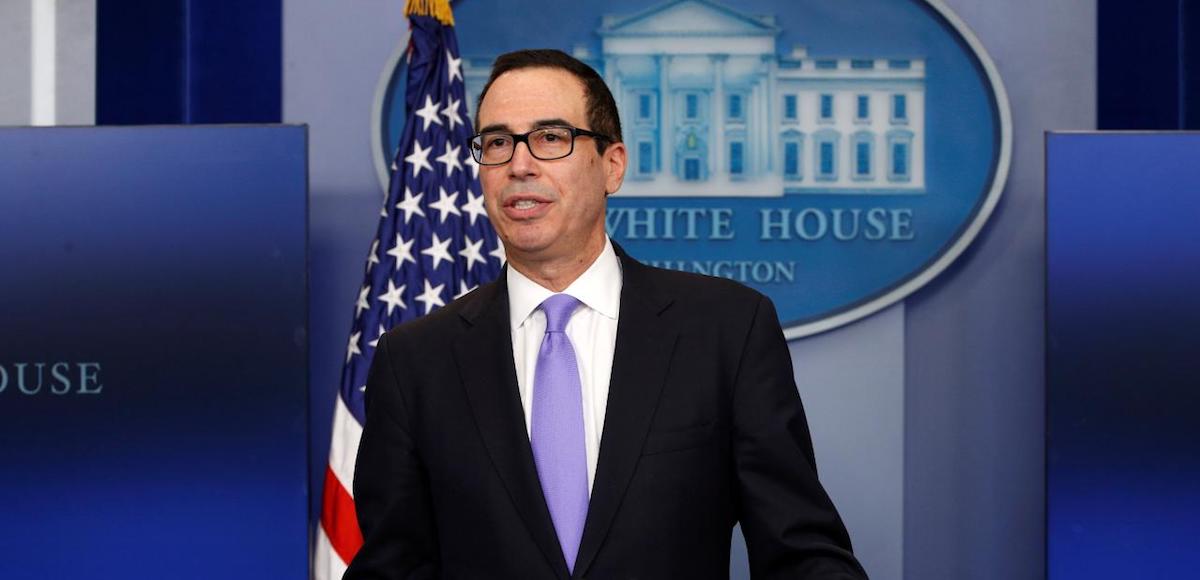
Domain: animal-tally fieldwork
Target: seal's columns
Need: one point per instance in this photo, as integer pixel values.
(612, 77)
(771, 102)
(717, 158)
(664, 117)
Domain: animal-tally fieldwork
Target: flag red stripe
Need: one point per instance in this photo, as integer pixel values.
(339, 519)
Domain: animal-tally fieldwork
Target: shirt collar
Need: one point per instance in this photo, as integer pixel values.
(599, 288)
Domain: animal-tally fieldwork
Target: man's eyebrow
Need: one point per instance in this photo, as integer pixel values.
(504, 128)
(495, 127)
(551, 122)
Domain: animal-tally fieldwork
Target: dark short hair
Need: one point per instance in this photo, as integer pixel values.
(600, 106)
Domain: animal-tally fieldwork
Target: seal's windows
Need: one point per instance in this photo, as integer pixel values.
(826, 143)
(827, 159)
(899, 108)
(900, 159)
(735, 107)
(899, 149)
(863, 111)
(826, 107)
(862, 156)
(645, 157)
(791, 159)
(691, 105)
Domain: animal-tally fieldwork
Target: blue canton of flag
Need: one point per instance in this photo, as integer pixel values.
(434, 244)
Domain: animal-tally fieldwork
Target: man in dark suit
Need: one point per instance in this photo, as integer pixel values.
(584, 416)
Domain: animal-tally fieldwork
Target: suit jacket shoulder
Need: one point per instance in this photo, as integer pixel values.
(699, 304)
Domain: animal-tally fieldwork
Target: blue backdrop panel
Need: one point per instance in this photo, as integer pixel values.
(1123, 311)
(188, 61)
(153, 351)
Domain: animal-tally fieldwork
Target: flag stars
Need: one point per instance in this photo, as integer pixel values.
(375, 343)
(454, 66)
(402, 251)
(463, 289)
(450, 112)
(411, 204)
(450, 160)
(472, 252)
(446, 205)
(498, 253)
(373, 257)
(419, 158)
(439, 250)
(362, 304)
(431, 297)
(469, 161)
(474, 207)
(393, 297)
(397, 273)
(352, 348)
(429, 113)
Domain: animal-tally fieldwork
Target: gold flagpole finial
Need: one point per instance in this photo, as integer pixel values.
(437, 9)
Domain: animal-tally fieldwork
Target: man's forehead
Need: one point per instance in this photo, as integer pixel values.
(531, 96)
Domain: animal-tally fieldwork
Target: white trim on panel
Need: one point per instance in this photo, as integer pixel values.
(43, 55)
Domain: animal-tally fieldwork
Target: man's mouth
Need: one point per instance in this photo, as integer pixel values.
(526, 208)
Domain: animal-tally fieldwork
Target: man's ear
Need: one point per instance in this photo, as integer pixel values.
(615, 159)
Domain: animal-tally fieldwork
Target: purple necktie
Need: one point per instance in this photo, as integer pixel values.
(556, 433)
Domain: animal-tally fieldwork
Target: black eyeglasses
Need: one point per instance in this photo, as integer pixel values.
(545, 143)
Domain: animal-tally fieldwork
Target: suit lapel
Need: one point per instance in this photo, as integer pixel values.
(642, 355)
(485, 360)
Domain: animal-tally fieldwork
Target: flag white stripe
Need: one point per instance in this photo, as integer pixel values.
(327, 565)
(343, 450)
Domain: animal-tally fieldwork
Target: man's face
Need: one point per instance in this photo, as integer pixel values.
(546, 210)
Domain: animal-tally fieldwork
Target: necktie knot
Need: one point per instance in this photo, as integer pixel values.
(558, 310)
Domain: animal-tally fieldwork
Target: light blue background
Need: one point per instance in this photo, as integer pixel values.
(961, 456)
(960, 135)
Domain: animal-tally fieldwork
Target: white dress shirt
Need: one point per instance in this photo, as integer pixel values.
(593, 333)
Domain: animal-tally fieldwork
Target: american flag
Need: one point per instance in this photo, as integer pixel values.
(434, 244)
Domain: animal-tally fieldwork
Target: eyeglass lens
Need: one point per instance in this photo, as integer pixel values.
(545, 143)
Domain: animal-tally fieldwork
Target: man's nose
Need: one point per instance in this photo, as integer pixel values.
(523, 163)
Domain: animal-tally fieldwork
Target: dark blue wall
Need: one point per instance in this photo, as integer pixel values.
(207, 61)
(1148, 65)
(188, 61)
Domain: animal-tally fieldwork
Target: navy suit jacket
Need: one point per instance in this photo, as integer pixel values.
(704, 428)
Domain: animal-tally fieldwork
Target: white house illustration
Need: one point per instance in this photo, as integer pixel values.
(710, 108)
